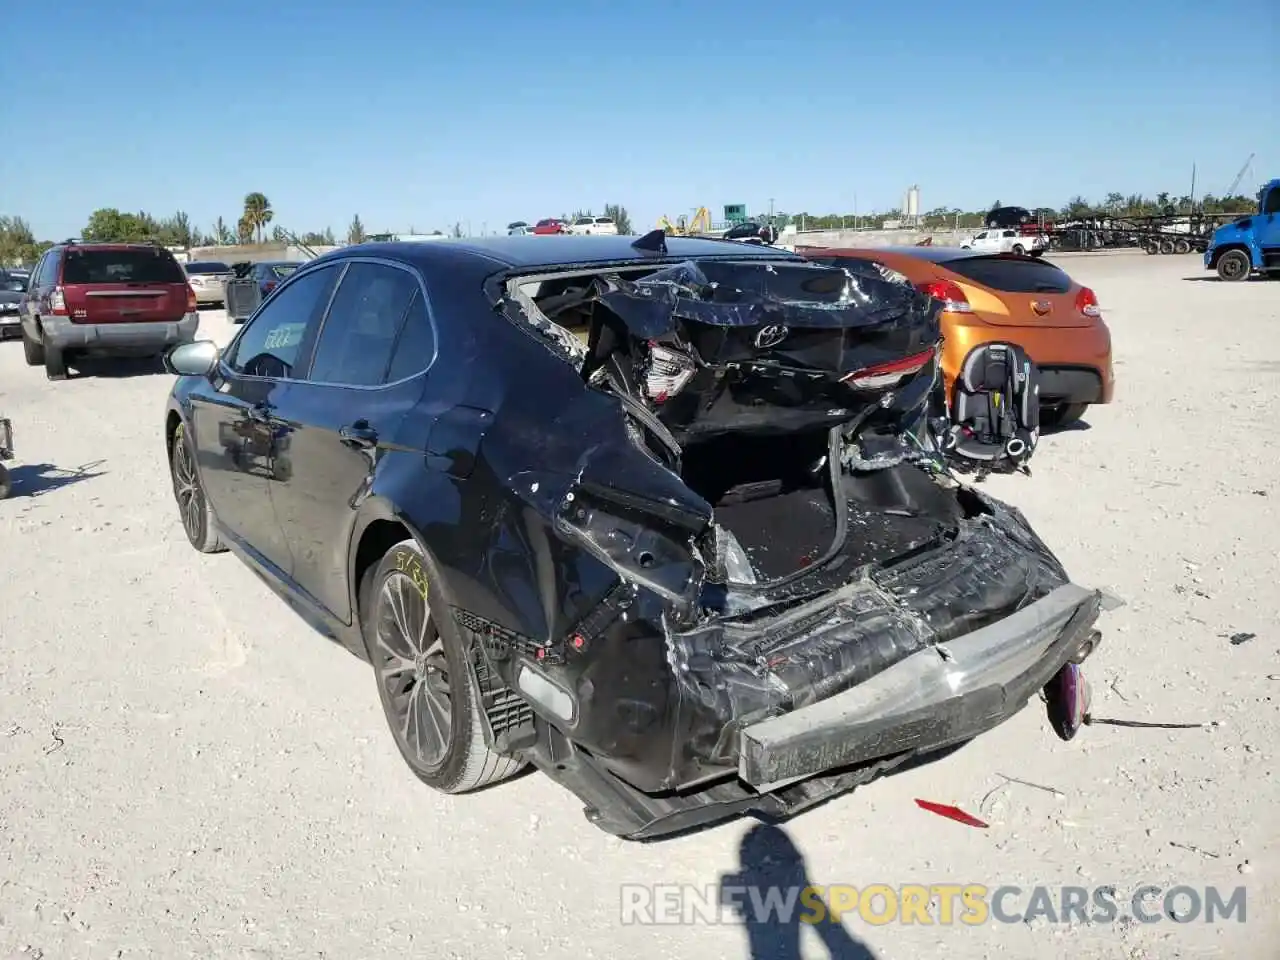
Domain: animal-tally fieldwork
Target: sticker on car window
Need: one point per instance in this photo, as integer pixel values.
(284, 336)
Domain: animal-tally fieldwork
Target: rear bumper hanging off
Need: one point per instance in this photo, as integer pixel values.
(936, 697)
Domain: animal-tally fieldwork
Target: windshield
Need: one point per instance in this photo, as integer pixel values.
(13, 283)
(284, 269)
(121, 266)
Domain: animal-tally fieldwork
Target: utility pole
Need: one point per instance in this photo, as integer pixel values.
(771, 208)
(1193, 187)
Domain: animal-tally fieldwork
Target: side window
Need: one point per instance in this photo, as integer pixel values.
(37, 272)
(360, 331)
(45, 269)
(416, 345)
(1272, 203)
(269, 345)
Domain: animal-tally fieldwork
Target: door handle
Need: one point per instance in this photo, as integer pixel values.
(359, 435)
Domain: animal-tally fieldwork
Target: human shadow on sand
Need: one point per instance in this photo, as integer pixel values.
(772, 874)
(37, 479)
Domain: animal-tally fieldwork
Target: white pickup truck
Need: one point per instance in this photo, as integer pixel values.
(996, 240)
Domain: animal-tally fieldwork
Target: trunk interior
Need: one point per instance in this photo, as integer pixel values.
(774, 494)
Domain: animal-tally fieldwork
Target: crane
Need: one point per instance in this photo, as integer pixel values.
(701, 223)
(1231, 190)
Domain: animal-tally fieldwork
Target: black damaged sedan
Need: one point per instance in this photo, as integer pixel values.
(659, 516)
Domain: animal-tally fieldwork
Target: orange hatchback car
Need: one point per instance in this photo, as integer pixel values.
(988, 298)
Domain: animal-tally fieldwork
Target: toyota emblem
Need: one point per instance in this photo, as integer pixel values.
(771, 336)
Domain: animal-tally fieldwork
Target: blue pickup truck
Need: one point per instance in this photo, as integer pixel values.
(1251, 243)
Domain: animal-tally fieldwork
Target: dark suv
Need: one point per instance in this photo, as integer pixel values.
(129, 299)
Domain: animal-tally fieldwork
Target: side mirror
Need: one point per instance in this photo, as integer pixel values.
(196, 359)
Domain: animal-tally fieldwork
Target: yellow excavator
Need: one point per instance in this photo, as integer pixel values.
(701, 223)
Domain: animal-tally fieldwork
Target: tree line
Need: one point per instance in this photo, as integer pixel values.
(257, 222)
(1077, 208)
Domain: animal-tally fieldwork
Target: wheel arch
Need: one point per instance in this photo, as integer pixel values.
(380, 527)
(1226, 247)
(172, 421)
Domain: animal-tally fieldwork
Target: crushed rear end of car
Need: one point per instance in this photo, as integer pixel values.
(763, 585)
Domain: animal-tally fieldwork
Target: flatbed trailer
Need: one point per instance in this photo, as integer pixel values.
(1166, 234)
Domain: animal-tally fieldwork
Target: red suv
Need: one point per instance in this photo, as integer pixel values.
(129, 299)
(549, 226)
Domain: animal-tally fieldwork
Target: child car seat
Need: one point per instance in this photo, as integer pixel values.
(993, 421)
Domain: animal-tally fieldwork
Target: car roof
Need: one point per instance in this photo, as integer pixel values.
(527, 253)
(111, 245)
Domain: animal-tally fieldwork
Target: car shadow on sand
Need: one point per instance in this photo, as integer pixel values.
(114, 368)
(1076, 426)
(37, 479)
(1256, 278)
(773, 896)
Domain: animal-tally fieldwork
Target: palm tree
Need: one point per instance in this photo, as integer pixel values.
(257, 212)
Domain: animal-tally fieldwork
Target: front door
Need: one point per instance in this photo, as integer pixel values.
(240, 448)
(1268, 228)
(366, 374)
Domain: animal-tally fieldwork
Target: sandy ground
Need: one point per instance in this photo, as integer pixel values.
(188, 771)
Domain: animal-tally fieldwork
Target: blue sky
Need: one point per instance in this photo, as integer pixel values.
(422, 114)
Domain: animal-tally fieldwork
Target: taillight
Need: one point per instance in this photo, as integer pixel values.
(884, 375)
(1087, 303)
(58, 302)
(669, 371)
(952, 297)
(192, 305)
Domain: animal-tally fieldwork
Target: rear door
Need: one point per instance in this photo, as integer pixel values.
(1017, 291)
(365, 375)
(123, 285)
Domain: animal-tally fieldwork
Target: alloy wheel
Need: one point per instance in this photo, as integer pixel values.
(413, 671)
(187, 491)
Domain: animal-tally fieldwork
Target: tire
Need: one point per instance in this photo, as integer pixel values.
(1063, 415)
(196, 513)
(55, 364)
(1182, 246)
(1166, 246)
(32, 352)
(1152, 246)
(1234, 266)
(1019, 250)
(1037, 254)
(6, 482)
(428, 681)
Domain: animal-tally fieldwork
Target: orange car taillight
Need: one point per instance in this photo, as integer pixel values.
(884, 375)
(1087, 303)
(952, 297)
(58, 302)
